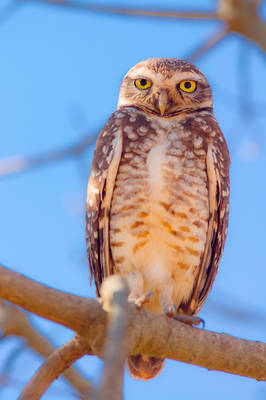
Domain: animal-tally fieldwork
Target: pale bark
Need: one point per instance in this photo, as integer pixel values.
(56, 364)
(14, 322)
(151, 334)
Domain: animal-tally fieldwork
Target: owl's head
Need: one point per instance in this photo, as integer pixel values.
(165, 87)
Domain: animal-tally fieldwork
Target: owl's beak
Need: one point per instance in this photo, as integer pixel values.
(163, 101)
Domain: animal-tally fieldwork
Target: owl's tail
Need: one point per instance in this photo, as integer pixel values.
(144, 367)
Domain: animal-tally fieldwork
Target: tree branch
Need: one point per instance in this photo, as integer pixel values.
(114, 294)
(14, 322)
(126, 11)
(155, 335)
(53, 367)
(240, 16)
(57, 306)
(18, 164)
(214, 40)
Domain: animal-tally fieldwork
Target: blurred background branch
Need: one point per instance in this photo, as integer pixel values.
(86, 6)
(18, 164)
(9, 10)
(238, 16)
(58, 362)
(14, 322)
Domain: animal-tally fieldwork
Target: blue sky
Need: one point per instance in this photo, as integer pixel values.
(60, 76)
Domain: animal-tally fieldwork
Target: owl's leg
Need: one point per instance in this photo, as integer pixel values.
(166, 300)
(143, 299)
(170, 310)
(135, 283)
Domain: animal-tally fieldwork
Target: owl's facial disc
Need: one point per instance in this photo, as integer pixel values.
(165, 87)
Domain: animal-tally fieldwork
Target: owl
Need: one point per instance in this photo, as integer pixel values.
(158, 194)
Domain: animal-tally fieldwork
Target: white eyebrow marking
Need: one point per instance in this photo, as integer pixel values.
(177, 77)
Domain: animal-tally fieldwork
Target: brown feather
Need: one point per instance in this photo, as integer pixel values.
(217, 165)
(100, 188)
(145, 368)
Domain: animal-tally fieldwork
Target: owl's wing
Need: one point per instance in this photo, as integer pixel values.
(105, 164)
(217, 163)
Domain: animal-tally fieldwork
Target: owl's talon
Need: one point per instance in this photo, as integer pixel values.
(170, 310)
(191, 320)
(202, 323)
(143, 299)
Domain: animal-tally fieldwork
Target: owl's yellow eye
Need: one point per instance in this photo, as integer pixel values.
(188, 86)
(142, 83)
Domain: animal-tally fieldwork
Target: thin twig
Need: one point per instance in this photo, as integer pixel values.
(52, 368)
(214, 40)
(8, 11)
(14, 322)
(239, 16)
(127, 11)
(8, 365)
(18, 164)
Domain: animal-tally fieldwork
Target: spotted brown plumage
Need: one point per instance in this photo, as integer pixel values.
(158, 195)
(106, 158)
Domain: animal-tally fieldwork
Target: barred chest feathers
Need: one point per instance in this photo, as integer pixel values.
(160, 207)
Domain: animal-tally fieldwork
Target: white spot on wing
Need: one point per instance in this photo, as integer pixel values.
(198, 141)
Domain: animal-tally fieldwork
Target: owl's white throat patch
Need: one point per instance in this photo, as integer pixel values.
(155, 159)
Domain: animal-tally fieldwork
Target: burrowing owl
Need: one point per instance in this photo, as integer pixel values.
(158, 194)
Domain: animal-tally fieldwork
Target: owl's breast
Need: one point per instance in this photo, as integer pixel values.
(160, 209)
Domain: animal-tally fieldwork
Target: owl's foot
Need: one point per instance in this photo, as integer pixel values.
(141, 300)
(190, 319)
(170, 311)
